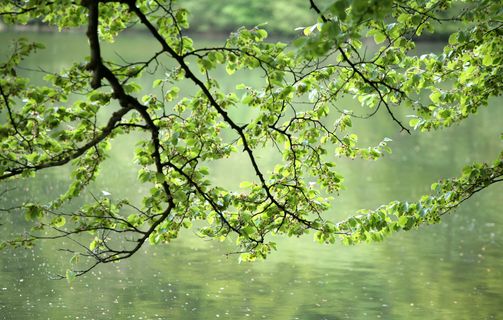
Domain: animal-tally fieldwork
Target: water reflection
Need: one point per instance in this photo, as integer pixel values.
(446, 271)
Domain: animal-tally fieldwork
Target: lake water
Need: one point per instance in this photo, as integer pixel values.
(452, 270)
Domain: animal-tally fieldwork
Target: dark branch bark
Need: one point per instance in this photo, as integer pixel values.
(190, 75)
(69, 155)
(92, 34)
(353, 66)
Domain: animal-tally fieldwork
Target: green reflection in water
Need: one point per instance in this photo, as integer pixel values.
(446, 271)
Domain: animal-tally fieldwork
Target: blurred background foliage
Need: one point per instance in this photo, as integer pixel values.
(281, 18)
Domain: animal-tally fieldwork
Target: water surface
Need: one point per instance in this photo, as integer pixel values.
(446, 271)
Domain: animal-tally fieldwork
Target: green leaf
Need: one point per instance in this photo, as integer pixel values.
(230, 69)
(94, 244)
(58, 222)
(379, 37)
(245, 184)
(172, 93)
(403, 18)
(402, 221)
(156, 83)
(248, 230)
(487, 60)
(308, 30)
(33, 212)
(435, 96)
(247, 99)
(262, 33)
(444, 113)
(453, 39)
